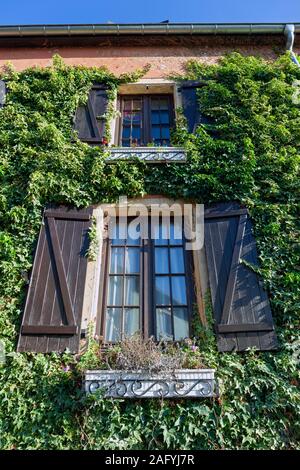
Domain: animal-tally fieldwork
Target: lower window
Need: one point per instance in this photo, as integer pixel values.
(147, 285)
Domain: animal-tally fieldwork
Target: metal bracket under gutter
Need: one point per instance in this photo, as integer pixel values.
(289, 32)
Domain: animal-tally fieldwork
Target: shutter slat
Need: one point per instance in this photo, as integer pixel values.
(244, 327)
(235, 259)
(53, 310)
(61, 271)
(233, 213)
(95, 132)
(241, 307)
(67, 215)
(49, 330)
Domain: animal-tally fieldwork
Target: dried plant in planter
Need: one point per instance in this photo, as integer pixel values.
(136, 353)
(147, 355)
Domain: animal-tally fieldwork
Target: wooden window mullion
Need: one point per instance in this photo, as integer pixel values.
(170, 284)
(146, 120)
(123, 285)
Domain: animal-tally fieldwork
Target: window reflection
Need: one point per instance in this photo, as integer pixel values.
(123, 299)
(164, 324)
(170, 281)
(145, 119)
(113, 324)
(126, 274)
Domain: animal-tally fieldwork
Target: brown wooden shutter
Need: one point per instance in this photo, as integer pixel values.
(53, 309)
(190, 104)
(89, 119)
(241, 307)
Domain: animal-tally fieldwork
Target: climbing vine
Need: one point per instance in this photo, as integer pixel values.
(250, 153)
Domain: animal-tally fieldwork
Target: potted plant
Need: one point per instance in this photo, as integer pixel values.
(138, 368)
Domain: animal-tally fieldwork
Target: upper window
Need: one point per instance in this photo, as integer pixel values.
(147, 284)
(145, 119)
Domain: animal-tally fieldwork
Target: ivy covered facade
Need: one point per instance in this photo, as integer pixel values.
(247, 151)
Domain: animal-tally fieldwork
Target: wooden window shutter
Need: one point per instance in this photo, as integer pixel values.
(190, 104)
(243, 317)
(89, 119)
(53, 308)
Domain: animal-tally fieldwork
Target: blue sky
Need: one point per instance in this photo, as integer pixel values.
(130, 11)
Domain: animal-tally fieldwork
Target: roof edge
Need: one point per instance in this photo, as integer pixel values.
(50, 30)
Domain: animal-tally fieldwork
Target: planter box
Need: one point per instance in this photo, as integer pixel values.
(148, 154)
(187, 383)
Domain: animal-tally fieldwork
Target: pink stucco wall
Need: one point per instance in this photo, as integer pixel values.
(164, 60)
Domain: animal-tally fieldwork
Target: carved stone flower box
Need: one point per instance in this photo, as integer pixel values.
(148, 154)
(184, 383)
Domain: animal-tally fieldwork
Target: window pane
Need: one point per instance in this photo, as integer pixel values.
(181, 323)
(154, 103)
(155, 117)
(136, 132)
(136, 104)
(164, 324)
(125, 143)
(136, 118)
(155, 132)
(133, 233)
(161, 261)
(164, 117)
(179, 290)
(131, 321)
(132, 290)
(126, 117)
(176, 232)
(117, 232)
(127, 105)
(113, 324)
(162, 290)
(161, 233)
(165, 133)
(117, 260)
(177, 260)
(126, 132)
(132, 260)
(164, 103)
(115, 290)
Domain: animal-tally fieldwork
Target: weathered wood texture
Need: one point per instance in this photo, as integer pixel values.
(89, 119)
(53, 309)
(241, 307)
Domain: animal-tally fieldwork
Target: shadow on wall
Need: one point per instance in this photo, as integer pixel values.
(123, 59)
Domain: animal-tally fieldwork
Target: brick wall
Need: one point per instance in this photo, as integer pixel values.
(164, 59)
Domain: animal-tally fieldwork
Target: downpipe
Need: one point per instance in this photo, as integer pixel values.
(289, 32)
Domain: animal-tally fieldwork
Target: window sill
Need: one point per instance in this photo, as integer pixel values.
(185, 383)
(148, 154)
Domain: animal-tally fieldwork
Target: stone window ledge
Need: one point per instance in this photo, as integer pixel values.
(184, 383)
